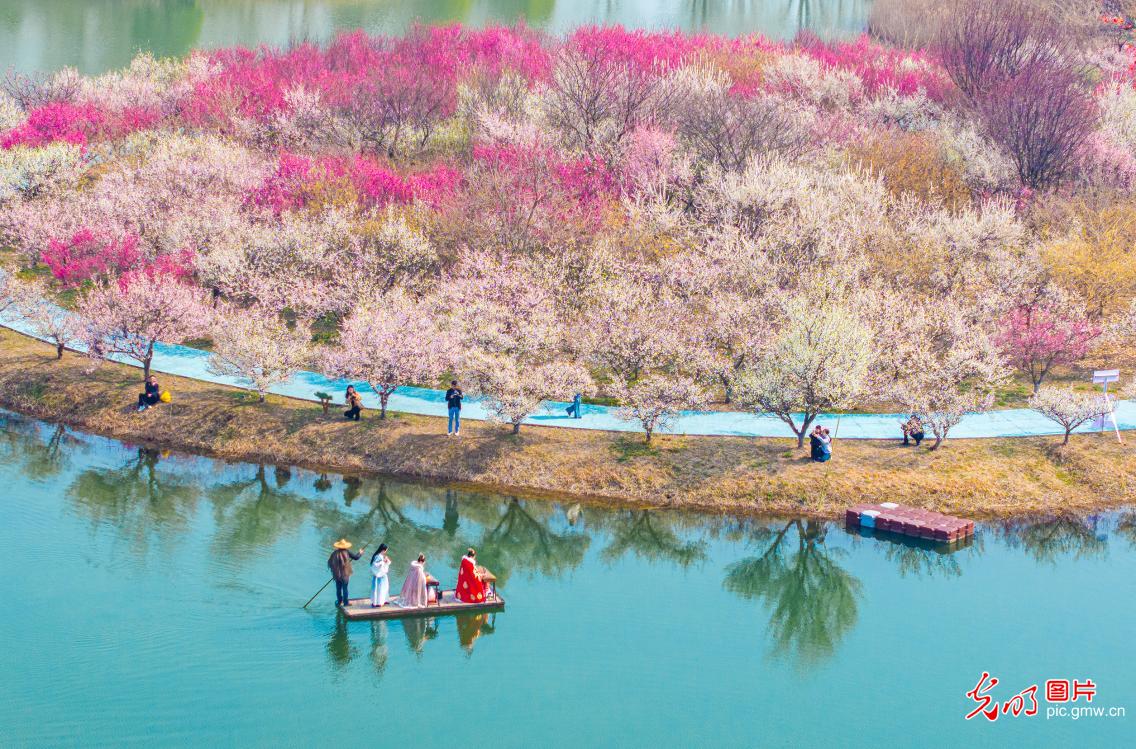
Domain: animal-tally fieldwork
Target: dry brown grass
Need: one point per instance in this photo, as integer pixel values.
(969, 477)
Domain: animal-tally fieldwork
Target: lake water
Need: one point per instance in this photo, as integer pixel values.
(156, 599)
(104, 34)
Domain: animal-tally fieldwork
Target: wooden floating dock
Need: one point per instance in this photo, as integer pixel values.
(361, 608)
(909, 521)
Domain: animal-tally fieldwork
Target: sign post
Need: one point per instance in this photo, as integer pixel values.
(1104, 377)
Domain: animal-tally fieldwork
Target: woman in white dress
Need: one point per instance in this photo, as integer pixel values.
(380, 585)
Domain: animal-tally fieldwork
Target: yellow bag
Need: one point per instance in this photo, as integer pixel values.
(165, 397)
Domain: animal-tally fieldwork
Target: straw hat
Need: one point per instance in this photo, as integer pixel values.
(342, 543)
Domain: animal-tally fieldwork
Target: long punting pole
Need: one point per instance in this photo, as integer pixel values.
(364, 546)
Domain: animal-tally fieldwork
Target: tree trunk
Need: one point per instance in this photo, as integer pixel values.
(146, 367)
(383, 396)
(1066, 440)
(261, 394)
(801, 439)
(938, 441)
(59, 350)
(516, 427)
(647, 434)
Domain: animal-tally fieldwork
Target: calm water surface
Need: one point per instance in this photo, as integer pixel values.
(98, 35)
(156, 599)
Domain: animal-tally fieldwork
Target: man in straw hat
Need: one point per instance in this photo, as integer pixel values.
(340, 565)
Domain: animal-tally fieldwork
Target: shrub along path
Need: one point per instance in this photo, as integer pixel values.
(1017, 422)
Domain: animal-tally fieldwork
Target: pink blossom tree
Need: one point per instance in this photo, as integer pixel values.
(517, 354)
(643, 339)
(390, 343)
(131, 317)
(258, 346)
(1038, 336)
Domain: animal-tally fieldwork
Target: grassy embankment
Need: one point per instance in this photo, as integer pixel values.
(970, 477)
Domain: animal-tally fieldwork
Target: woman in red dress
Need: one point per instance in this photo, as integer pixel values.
(470, 589)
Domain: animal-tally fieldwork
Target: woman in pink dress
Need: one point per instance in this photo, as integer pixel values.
(413, 593)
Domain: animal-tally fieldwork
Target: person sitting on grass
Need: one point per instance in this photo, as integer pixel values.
(152, 396)
(353, 402)
(820, 444)
(912, 430)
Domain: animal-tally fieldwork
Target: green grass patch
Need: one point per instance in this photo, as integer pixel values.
(628, 448)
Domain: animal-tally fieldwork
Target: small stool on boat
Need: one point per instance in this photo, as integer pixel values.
(489, 579)
(432, 582)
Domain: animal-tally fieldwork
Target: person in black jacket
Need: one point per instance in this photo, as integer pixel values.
(454, 408)
(152, 395)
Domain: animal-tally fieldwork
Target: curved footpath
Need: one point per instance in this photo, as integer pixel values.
(184, 361)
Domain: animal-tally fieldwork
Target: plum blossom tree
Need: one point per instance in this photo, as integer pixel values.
(518, 355)
(818, 360)
(258, 347)
(34, 305)
(602, 88)
(1040, 334)
(1069, 408)
(641, 336)
(389, 343)
(130, 317)
(513, 390)
(941, 366)
(655, 400)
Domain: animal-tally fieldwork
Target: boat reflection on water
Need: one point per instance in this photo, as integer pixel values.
(344, 645)
(472, 626)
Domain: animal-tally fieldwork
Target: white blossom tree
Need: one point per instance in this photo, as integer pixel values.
(258, 347)
(48, 320)
(655, 400)
(1067, 407)
(942, 366)
(644, 339)
(818, 361)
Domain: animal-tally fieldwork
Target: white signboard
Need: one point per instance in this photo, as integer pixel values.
(1105, 376)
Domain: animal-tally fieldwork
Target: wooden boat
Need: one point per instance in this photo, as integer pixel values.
(444, 605)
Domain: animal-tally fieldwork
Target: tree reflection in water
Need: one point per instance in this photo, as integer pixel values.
(521, 541)
(812, 601)
(649, 536)
(40, 449)
(251, 513)
(137, 498)
(1056, 537)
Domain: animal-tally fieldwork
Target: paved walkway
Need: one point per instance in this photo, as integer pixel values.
(1018, 422)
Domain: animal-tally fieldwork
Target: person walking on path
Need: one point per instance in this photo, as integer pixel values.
(354, 403)
(574, 409)
(380, 585)
(340, 565)
(454, 407)
(152, 395)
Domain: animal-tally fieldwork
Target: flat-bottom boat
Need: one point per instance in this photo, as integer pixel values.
(446, 605)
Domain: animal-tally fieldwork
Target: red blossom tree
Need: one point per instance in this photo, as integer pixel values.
(1036, 337)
